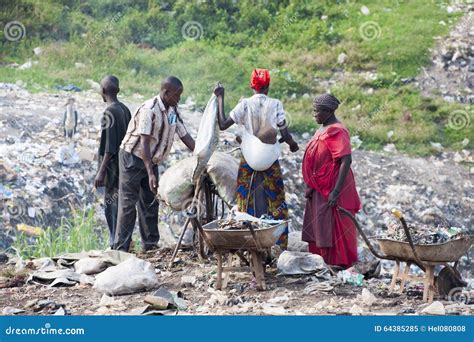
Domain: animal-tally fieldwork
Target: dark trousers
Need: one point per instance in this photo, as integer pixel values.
(135, 193)
(111, 209)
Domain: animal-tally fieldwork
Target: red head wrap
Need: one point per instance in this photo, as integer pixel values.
(260, 79)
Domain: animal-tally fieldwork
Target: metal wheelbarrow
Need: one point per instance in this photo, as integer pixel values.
(426, 257)
(230, 241)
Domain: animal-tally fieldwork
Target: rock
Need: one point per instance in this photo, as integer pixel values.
(279, 299)
(436, 146)
(27, 65)
(341, 59)
(366, 298)
(8, 310)
(273, 310)
(390, 148)
(188, 281)
(60, 312)
(356, 310)
(217, 298)
(106, 300)
(291, 263)
(156, 302)
(38, 51)
(435, 308)
(79, 65)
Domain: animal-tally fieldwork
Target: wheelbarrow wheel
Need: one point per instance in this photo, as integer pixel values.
(449, 279)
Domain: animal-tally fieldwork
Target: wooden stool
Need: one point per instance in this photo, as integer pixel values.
(256, 267)
(427, 279)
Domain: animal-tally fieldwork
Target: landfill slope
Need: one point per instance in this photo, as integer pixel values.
(38, 190)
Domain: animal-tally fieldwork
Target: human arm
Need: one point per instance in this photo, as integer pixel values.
(343, 171)
(287, 138)
(152, 182)
(223, 122)
(99, 179)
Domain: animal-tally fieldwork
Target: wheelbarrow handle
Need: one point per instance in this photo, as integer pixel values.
(254, 235)
(361, 232)
(400, 217)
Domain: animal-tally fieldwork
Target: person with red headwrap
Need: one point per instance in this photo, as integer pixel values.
(259, 192)
(330, 181)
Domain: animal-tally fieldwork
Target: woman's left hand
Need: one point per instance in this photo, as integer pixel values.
(333, 197)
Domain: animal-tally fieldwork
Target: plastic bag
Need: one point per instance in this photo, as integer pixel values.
(258, 155)
(207, 137)
(291, 263)
(176, 184)
(223, 169)
(131, 276)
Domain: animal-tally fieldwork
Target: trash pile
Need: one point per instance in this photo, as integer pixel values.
(243, 221)
(424, 234)
(43, 175)
(451, 74)
(117, 283)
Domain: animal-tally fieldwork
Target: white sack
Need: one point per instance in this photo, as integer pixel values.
(258, 155)
(207, 137)
(132, 275)
(223, 169)
(176, 185)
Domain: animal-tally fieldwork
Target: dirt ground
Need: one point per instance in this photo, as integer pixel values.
(285, 295)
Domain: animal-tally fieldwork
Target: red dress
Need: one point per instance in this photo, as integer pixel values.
(329, 234)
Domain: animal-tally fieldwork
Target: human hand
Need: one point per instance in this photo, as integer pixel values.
(152, 183)
(219, 89)
(294, 147)
(99, 180)
(333, 197)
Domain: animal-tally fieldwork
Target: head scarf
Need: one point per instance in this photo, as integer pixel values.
(260, 79)
(328, 101)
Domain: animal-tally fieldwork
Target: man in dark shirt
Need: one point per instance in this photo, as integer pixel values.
(114, 126)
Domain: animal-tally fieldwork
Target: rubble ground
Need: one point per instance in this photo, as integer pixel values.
(195, 280)
(428, 190)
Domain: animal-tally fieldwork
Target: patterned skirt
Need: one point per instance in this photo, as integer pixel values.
(263, 192)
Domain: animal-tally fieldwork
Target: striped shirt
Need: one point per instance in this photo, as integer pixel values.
(153, 119)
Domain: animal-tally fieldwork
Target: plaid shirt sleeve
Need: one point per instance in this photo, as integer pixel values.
(145, 121)
(181, 128)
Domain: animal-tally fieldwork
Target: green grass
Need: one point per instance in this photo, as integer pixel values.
(76, 234)
(146, 43)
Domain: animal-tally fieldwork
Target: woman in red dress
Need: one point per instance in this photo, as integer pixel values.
(330, 181)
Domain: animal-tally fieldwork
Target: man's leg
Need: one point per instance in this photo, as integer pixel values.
(148, 214)
(130, 176)
(110, 208)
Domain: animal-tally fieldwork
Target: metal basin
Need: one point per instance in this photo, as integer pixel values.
(449, 251)
(224, 239)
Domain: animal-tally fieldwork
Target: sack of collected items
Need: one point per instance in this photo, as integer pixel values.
(176, 184)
